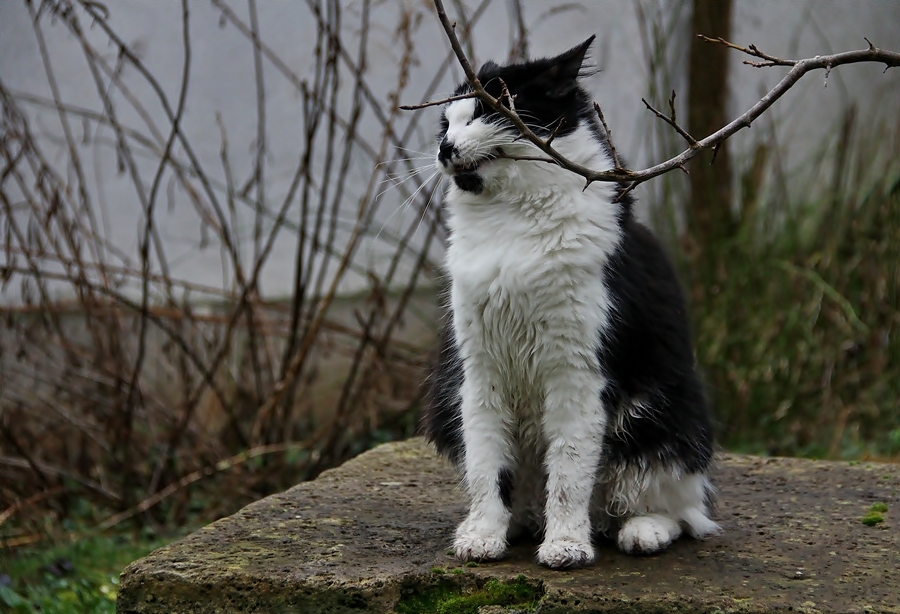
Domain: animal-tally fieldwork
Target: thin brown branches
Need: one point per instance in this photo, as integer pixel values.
(430, 103)
(195, 476)
(152, 377)
(672, 120)
(751, 50)
(799, 68)
(612, 147)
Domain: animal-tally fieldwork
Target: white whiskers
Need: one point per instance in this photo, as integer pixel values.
(399, 179)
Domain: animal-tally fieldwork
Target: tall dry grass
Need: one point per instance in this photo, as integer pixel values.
(799, 325)
(796, 305)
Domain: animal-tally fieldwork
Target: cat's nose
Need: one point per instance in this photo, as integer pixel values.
(445, 151)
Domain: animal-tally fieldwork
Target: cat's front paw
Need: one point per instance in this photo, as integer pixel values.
(477, 547)
(479, 541)
(563, 554)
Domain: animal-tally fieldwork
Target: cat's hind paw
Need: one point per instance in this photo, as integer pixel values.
(647, 534)
(562, 554)
(699, 525)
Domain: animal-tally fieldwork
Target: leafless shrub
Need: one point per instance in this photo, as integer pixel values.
(123, 383)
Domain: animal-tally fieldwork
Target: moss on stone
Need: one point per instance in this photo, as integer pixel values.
(875, 515)
(449, 598)
(872, 518)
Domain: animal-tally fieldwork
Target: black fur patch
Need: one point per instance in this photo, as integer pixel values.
(470, 182)
(647, 357)
(545, 91)
(442, 420)
(505, 483)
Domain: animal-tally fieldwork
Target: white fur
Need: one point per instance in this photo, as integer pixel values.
(625, 492)
(526, 259)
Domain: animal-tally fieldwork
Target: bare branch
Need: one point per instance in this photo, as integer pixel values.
(528, 158)
(434, 103)
(799, 68)
(751, 50)
(609, 140)
(559, 124)
(505, 95)
(670, 119)
(450, 29)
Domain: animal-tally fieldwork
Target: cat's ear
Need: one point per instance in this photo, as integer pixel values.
(562, 76)
(489, 66)
(487, 71)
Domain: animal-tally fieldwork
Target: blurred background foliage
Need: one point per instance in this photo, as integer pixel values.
(792, 273)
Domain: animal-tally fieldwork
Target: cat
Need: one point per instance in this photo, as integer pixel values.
(565, 387)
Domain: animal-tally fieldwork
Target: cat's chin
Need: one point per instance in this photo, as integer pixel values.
(469, 181)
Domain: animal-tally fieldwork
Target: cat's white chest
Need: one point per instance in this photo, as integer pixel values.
(528, 298)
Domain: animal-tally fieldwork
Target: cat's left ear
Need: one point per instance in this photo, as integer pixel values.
(562, 76)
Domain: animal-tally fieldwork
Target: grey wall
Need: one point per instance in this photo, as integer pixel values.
(223, 83)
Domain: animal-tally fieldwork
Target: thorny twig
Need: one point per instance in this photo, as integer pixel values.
(751, 50)
(672, 120)
(559, 124)
(609, 140)
(413, 107)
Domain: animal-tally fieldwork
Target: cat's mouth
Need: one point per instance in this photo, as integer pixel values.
(472, 167)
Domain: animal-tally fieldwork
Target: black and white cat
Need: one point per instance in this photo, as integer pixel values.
(565, 387)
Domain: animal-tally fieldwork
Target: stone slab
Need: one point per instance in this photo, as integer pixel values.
(372, 536)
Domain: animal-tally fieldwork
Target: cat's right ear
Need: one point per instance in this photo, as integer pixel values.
(562, 76)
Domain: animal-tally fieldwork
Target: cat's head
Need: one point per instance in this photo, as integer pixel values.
(474, 138)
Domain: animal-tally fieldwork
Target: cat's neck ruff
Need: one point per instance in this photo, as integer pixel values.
(541, 200)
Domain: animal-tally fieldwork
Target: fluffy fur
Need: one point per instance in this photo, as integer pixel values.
(565, 387)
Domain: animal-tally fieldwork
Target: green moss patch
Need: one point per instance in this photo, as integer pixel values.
(872, 518)
(875, 515)
(449, 598)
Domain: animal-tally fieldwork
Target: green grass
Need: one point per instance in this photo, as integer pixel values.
(78, 576)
